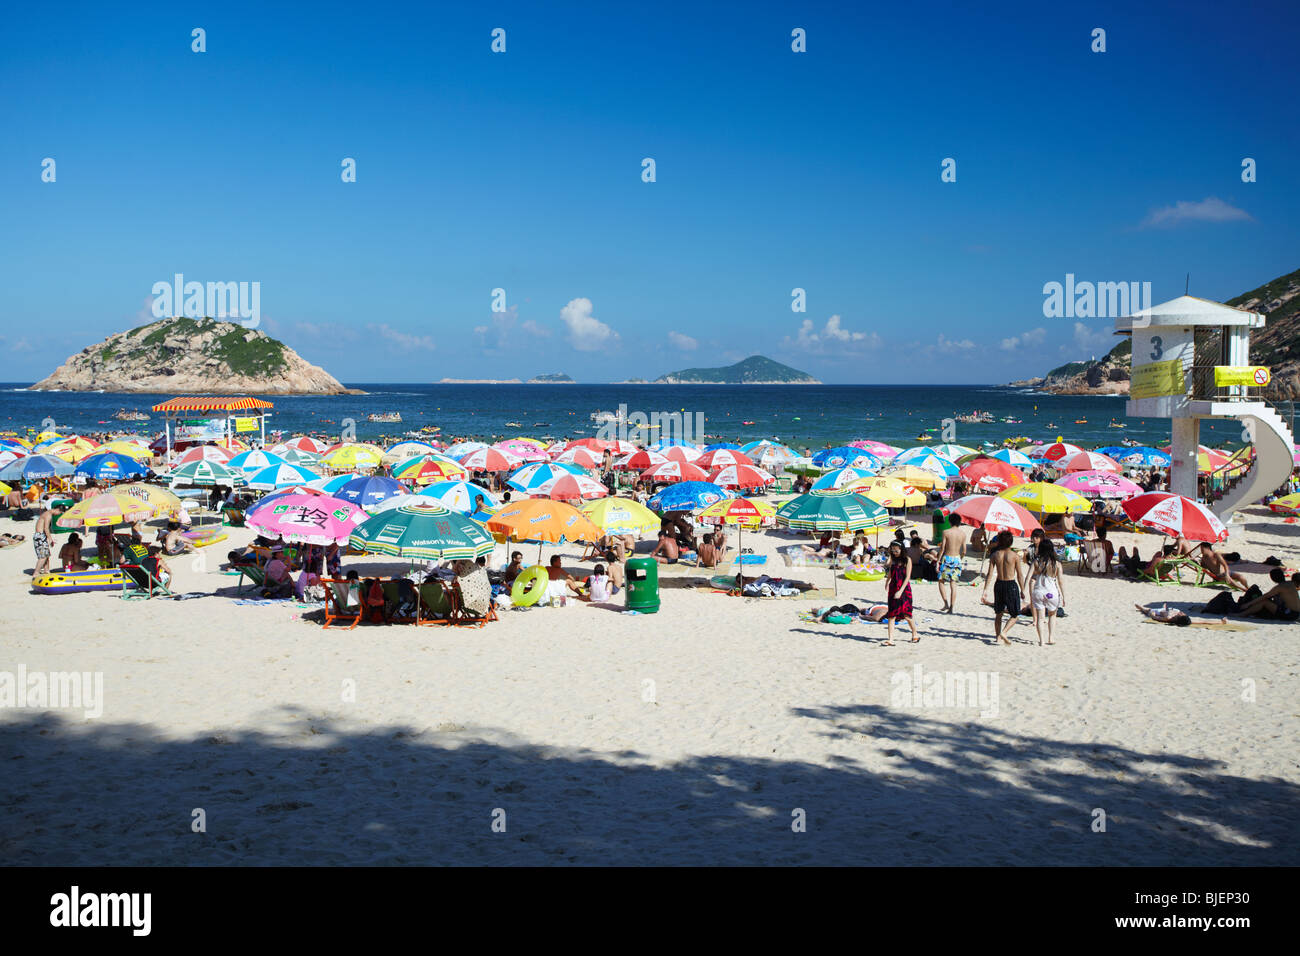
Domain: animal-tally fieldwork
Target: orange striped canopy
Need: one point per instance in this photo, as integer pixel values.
(200, 403)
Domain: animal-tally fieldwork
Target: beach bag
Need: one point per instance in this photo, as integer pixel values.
(1221, 603)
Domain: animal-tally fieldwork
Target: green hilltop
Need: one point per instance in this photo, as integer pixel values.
(755, 370)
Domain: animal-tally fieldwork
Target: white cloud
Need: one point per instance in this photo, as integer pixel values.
(683, 342)
(586, 332)
(1210, 209)
(1032, 337)
(833, 335)
(1092, 341)
(945, 344)
(404, 340)
(504, 328)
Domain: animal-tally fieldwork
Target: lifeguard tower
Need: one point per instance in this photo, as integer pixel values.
(1191, 360)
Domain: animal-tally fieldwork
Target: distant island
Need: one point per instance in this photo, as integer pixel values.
(181, 355)
(1277, 345)
(755, 370)
(631, 381)
(479, 381)
(556, 378)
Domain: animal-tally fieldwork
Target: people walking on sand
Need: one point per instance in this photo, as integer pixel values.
(1007, 579)
(1046, 590)
(898, 589)
(41, 536)
(951, 549)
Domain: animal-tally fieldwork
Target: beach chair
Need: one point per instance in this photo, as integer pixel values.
(139, 583)
(336, 604)
(1174, 567)
(461, 616)
(783, 485)
(232, 517)
(1092, 558)
(436, 603)
(393, 600)
(255, 575)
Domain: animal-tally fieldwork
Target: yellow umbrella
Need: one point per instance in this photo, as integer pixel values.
(4, 489)
(742, 512)
(73, 449)
(886, 491)
(620, 516)
(916, 477)
(45, 436)
(1045, 498)
(158, 498)
(1287, 504)
(354, 455)
(105, 509)
(125, 446)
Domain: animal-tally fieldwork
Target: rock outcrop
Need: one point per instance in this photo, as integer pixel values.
(192, 356)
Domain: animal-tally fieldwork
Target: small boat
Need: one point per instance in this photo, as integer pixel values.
(514, 425)
(746, 423)
(122, 415)
(384, 417)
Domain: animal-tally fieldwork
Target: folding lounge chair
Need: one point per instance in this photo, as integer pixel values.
(393, 600)
(437, 603)
(139, 583)
(255, 573)
(337, 611)
(1092, 558)
(461, 616)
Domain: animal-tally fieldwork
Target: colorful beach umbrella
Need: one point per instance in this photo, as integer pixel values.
(490, 459)
(1045, 498)
(991, 475)
(686, 453)
(831, 511)
(1287, 504)
(531, 477)
(993, 514)
(202, 474)
(35, 467)
(8, 455)
(204, 453)
(252, 461)
(713, 460)
(524, 449)
(1089, 461)
(422, 531)
(571, 488)
(540, 519)
(951, 451)
(280, 476)
(463, 496)
(305, 443)
(110, 466)
(687, 496)
(354, 456)
(307, 519)
(332, 483)
(1011, 456)
(877, 448)
(739, 511)
(931, 463)
(1099, 484)
(840, 477)
(463, 448)
(132, 448)
(675, 471)
(620, 516)
(741, 476)
(428, 469)
(1176, 516)
(104, 510)
(887, 492)
(844, 456)
(580, 456)
(639, 460)
(158, 499)
(1057, 450)
(917, 477)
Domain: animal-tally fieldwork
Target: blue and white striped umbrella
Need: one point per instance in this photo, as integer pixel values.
(369, 490)
(721, 445)
(840, 477)
(931, 463)
(280, 476)
(333, 483)
(1012, 457)
(530, 477)
(249, 462)
(463, 496)
(919, 451)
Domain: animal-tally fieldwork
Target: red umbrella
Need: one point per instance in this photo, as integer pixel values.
(1089, 461)
(205, 453)
(681, 453)
(1061, 449)
(721, 457)
(741, 476)
(1175, 515)
(640, 461)
(991, 475)
(994, 514)
(571, 488)
(489, 459)
(675, 471)
(581, 456)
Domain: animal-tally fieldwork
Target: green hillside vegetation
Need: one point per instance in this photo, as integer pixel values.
(756, 368)
(254, 355)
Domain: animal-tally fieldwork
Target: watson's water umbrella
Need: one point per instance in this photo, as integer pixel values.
(1175, 515)
(571, 488)
(203, 474)
(832, 511)
(305, 459)
(531, 477)
(994, 514)
(841, 457)
(280, 476)
(105, 509)
(1100, 484)
(370, 490)
(991, 475)
(424, 531)
(1045, 498)
(687, 496)
(305, 518)
(204, 453)
(741, 476)
(35, 467)
(840, 477)
(620, 516)
(110, 466)
(463, 496)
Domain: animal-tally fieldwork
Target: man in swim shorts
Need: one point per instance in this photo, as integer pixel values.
(41, 537)
(950, 553)
(1008, 571)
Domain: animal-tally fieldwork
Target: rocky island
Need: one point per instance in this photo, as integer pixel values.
(755, 370)
(197, 356)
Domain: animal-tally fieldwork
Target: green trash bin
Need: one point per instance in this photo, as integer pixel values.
(939, 524)
(642, 585)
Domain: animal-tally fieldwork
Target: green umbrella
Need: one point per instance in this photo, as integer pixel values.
(205, 474)
(831, 511)
(425, 531)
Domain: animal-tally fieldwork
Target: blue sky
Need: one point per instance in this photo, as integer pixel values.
(522, 170)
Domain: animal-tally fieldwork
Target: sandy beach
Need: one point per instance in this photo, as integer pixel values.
(722, 730)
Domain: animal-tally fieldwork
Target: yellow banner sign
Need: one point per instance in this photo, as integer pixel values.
(1155, 379)
(245, 424)
(1254, 376)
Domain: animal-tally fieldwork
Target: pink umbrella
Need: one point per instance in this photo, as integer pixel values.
(580, 456)
(682, 453)
(491, 459)
(993, 514)
(1100, 484)
(1089, 461)
(571, 487)
(722, 457)
(205, 453)
(877, 448)
(309, 519)
(675, 471)
(741, 476)
(1058, 450)
(640, 461)
(1175, 515)
(524, 450)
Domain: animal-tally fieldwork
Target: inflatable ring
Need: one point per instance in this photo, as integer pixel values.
(529, 586)
(863, 574)
(202, 537)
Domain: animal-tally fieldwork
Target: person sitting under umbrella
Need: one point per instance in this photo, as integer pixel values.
(1217, 568)
(278, 580)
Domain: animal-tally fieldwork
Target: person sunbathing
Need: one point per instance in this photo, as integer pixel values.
(1218, 569)
(1168, 615)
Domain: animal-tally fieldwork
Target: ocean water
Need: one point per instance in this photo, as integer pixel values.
(802, 415)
